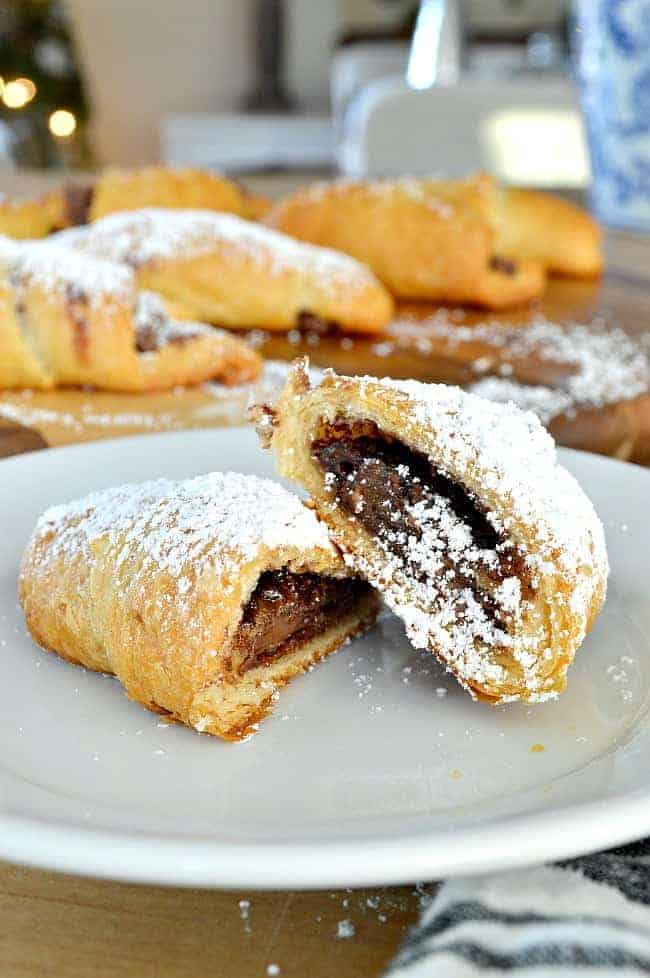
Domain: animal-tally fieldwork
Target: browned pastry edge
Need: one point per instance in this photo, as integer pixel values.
(238, 733)
(428, 240)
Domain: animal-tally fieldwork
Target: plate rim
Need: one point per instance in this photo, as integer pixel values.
(164, 859)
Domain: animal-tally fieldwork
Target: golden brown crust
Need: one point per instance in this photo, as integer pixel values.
(66, 320)
(33, 218)
(125, 190)
(159, 186)
(546, 228)
(570, 576)
(423, 239)
(447, 240)
(150, 582)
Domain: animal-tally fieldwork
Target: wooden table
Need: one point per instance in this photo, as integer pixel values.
(69, 927)
(66, 926)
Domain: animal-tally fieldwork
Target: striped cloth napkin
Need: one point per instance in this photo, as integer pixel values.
(583, 918)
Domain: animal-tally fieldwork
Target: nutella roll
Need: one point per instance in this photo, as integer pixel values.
(67, 320)
(203, 597)
(220, 269)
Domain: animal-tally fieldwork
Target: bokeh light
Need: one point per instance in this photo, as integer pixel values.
(18, 93)
(62, 123)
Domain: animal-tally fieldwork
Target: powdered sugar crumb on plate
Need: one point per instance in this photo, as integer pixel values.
(345, 929)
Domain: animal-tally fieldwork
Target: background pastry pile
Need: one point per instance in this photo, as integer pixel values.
(205, 597)
(77, 268)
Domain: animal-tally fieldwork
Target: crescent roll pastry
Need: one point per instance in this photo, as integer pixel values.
(203, 597)
(457, 511)
(35, 217)
(218, 268)
(126, 190)
(465, 241)
(70, 320)
(423, 240)
(159, 186)
(546, 228)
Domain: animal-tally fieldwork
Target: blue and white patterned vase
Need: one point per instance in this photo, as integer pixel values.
(613, 60)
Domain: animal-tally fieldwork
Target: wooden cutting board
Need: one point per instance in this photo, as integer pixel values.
(414, 346)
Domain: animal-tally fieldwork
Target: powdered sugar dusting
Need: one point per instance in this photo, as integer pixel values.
(58, 271)
(604, 364)
(93, 414)
(517, 459)
(152, 321)
(546, 402)
(137, 237)
(210, 524)
(422, 190)
(443, 564)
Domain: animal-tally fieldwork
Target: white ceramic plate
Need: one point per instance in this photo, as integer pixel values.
(375, 768)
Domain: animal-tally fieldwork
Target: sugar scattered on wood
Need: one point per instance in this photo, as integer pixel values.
(345, 929)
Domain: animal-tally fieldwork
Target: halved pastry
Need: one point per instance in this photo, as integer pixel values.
(457, 511)
(70, 320)
(220, 269)
(464, 241)
(203, 597)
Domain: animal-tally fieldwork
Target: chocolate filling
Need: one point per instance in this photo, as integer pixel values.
(504, 265)
(156, 330)
(380, 480)
(309, 322)
(288, 609)
(77, 202)
(77, 310)
(149, 338)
